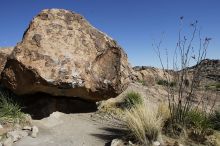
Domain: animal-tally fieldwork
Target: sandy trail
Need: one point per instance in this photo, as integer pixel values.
(61, 129)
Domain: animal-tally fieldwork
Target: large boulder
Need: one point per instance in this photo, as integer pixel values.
(4, 53)
(62, 54)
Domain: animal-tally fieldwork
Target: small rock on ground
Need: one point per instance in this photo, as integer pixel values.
(34, 131)
(117, 142)
(156, 143)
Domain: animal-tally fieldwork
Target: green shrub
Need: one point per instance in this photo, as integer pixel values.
(131, 99)
(172, 84)
(10, 111)
(166, 83)
(199, 125)
(162, 82)
(143, 82)
(215, 86)
(215, 119)
(218, 85)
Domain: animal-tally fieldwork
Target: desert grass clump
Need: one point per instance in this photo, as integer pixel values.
(166, 83)
(142, 82)
(162, 82)
(200, 125)
(132, 99)
(218, 86)
(215, 86)
(143, 123)
(215, 119)
(10, 111)
(163, 111)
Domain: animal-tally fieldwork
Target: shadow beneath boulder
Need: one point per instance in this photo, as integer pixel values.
(41, 105)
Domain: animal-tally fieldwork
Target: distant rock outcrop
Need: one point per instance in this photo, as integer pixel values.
(63, 55)
(4, 53)
(209, 70)
(150, 75)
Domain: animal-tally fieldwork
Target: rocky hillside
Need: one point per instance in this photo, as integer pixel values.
(150, 75)
(209, 69)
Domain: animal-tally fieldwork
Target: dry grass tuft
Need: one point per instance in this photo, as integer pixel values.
(143, 123)
(163, 111)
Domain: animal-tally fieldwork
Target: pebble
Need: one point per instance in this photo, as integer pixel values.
(156, 143)
(34, 131)
(117, 142)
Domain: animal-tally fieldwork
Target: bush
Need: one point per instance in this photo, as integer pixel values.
(10, 111)
(199, 125)
(218, 86)
(142, 82)
(166, 83)
(195, 122)
(162, 82)
(199, 120)
(215, 86)
(131, 99)
(215, 119)
(143, 124)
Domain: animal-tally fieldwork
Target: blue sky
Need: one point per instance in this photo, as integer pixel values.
(135, 24)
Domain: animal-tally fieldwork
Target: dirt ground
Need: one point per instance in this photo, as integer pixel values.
(61, 129)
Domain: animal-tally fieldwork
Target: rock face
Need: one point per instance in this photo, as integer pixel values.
(209, 70)
(63, 55)
(150, 75)
(4, 53)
